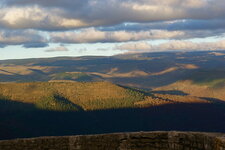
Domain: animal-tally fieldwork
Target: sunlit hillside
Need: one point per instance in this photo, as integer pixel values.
(78, 96)
(133, 92)
(87, 96)
(143, 71)
(203, 89)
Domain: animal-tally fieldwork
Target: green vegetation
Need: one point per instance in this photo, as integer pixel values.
(78, 76)
(110, 104)
(2, 97)
(7, 105)
(64, 96)
(215, 83)
(212, 78)
(57, 103)
(124, 102)
(135, 94)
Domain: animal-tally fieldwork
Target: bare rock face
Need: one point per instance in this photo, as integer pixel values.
(122, 141)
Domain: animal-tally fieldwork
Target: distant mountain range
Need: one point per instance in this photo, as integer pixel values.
(200, 70)
(133, 92)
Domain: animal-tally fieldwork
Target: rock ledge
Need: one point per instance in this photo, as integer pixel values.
(122, 141)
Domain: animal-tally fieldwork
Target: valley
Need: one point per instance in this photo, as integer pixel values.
(124, 93)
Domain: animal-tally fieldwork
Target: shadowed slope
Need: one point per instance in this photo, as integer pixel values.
(182, 117)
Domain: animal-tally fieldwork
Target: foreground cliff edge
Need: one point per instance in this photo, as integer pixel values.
(122, 141)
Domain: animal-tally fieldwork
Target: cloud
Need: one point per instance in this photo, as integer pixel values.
(81, 50)
(92, 35)
(36, 18)
(33, 39)
(35, 45)
(27, 38)
(213, 24)
(103, 49)
(70, 14)
(2, 46)
(91, 21)
(139, 46)
(60, 48)
(176, 45)
(176, 25)
(48, 3)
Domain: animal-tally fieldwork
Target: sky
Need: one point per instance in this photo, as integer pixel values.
(50, 28)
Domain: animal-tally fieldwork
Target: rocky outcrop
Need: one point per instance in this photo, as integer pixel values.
(122, 141)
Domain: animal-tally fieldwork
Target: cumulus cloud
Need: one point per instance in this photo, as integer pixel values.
(27, 38)
(91, 21)
(36, 18)
(70, 14)
(176, 25)
(60, 48)
(35, 45)
(139, 46)
(48, 3)
(92, 35)
(176, 45)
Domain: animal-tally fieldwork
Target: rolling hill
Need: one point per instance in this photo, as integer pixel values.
(79, 96)
(71, 95)
(144, 71)
(133, 92)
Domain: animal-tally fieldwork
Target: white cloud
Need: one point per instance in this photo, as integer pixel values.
(172, 45)
(55, 15)
(60, 48)
(69, 14)
(139, 46)
(92, 36)
(36, 18)
(28, 38)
